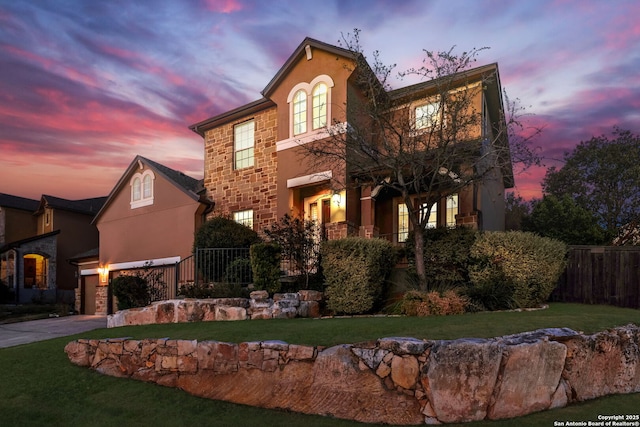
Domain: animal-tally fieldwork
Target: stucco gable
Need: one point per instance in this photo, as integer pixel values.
(191, 187)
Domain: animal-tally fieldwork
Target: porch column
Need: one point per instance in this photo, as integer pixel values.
(367, 214)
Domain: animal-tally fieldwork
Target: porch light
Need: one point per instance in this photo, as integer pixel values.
(104, 273)
(336, 198)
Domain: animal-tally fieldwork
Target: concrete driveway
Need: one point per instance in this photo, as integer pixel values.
(39, 330)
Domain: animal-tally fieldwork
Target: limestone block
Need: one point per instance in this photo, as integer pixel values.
(404, 345)
(404, 371)
(261, 313)
(309, 309)
(300, 352)
(603, 363)
(342, 390)
(165, 312)
(460, 378)
(529, 379)
(370, 356)
(309, 295)
(284, 313)
(291, 296)
(230, 313)
(259, 295)
(79, 353)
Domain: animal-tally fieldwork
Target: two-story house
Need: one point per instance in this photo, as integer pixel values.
(256, 169)
(44, 236)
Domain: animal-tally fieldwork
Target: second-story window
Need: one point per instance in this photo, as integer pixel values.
(428, 115)
(319, 106)
(310, 106)
(142, 189)
(243, 144)
(300, 112)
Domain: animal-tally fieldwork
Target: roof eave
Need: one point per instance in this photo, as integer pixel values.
(253, 107)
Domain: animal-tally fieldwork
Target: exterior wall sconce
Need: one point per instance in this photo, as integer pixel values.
(336, 199)
(104, 273)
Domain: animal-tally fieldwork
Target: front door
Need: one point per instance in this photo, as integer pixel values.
(30, 272)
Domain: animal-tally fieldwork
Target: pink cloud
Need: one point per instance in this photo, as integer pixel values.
(223, 6)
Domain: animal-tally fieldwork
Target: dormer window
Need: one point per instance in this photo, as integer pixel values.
(310, 103)
(142, 189)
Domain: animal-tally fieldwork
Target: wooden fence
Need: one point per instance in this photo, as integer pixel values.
(601, 275)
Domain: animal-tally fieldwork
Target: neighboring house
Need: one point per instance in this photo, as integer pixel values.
(35, 266)
(150, 218)
(254, 171)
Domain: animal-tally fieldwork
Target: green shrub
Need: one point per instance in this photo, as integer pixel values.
(528, 264)
(298, 241)
(238, 272)
(214, 290)
(265, 265)
(447, 256)
(131, 291)
(222, 232)
(355, 271)
(217, 234)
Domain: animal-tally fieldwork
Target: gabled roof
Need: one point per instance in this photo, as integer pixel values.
(192, 187)
(17, 202)
(299, 53)
(83, 206)
(264, 102)
(18, 243)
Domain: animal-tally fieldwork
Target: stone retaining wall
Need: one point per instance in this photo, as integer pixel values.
(402, 381)
(304, 303)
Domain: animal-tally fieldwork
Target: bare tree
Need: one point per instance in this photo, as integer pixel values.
(424, 155)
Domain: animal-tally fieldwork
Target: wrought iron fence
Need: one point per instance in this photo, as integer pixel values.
(222, 265)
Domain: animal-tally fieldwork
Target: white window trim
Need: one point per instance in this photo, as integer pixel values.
(312, 136)
(253, 146)
(244, 211)
(143, 201)
(308, 88)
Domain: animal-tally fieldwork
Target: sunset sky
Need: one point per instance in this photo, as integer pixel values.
(86, 85)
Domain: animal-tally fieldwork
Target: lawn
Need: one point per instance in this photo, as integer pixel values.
(39, 386)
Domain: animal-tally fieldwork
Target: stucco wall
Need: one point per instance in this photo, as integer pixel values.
(402, 381)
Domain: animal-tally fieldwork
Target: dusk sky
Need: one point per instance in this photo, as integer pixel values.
(86, 85)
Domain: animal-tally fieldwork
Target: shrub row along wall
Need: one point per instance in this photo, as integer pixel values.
(305, 303)
(392, 380)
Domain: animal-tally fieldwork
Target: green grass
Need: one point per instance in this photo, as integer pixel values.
(39, 386)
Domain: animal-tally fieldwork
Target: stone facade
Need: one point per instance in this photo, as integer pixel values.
(402, 381)
(102, 300)
(248, 188)
(304, 303)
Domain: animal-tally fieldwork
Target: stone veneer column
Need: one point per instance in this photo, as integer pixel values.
(102, 296)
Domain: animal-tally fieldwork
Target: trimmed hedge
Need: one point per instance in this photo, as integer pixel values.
(447, 256)
(528, 265)
(355, 271)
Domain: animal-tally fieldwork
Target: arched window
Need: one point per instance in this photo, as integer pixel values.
(319, 105)
(136, 194)
(310, 102)
(142, 189)
(300, 112)
(147, 188)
